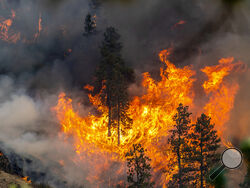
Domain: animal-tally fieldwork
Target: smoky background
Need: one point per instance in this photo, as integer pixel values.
(32, 74)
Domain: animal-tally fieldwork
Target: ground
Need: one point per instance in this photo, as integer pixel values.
(9, 181)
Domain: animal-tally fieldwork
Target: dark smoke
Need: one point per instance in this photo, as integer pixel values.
(32, 74)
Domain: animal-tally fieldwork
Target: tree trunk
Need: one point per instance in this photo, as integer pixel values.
(201, 164)
(109, 124)
(179, 164)
(118, 121)
(109, 116)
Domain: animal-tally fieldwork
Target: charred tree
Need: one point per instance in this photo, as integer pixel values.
(122, 98)
(179, 145)
(112, 80)
(89, 25)
(204, 142)
(138, 168)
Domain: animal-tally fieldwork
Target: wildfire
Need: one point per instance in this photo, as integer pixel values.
(181, 22)
(26, 179)
(5, 33)
(10, 36)
(39, 27)
(221, 93)
(151, 113)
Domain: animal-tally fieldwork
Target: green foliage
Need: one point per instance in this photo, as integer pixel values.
(179, 145)
(204, 143)
(18, 186)
(89, 25)
(138, 168)
(194, 147)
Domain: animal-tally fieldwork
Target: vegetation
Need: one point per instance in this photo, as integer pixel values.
(89, 25)
(138, 168)
(194, 147)
(178, 143)
(204, 143)
(112, 80)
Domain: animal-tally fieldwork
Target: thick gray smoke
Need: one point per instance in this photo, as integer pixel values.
(34, 72)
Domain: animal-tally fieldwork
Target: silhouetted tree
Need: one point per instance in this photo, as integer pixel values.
(179, 145)
(112, 80)
(138, 168)
(122, 101)
(89, 25)
(204, 143)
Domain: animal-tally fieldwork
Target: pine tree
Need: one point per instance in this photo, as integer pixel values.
(122, 98)
(179, 145)
(138, 168)
(112, 79)
(205, 142)
(89, 25)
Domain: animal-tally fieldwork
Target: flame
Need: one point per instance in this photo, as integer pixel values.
(40, 27)
(151, 113)
(181, 22)
(222, 94)
(26, 179)
(10, 36)
(5, 33)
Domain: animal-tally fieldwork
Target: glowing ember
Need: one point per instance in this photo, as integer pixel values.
(39, 27)
(151, 113)
(181, 22)
(26, 179)
(5, 33)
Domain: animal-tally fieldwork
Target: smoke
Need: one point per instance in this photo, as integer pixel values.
(34, 72)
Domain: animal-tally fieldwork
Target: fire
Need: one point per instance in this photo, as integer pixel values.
(39, 27)
(10, 36)
(181, 22)
(221, 93)
(26, 179)
(5, 33)
(151, 113)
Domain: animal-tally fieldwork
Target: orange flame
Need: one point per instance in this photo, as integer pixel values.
(221, 94)
(181, 22)
(151, 113)
(26, 179)
(39, 27)
(5, 33)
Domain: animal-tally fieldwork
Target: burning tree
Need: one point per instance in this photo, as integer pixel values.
(89, 24)
(179, 144)
(112, 80)
(204, 142)
(138, 168)
(151, 112)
